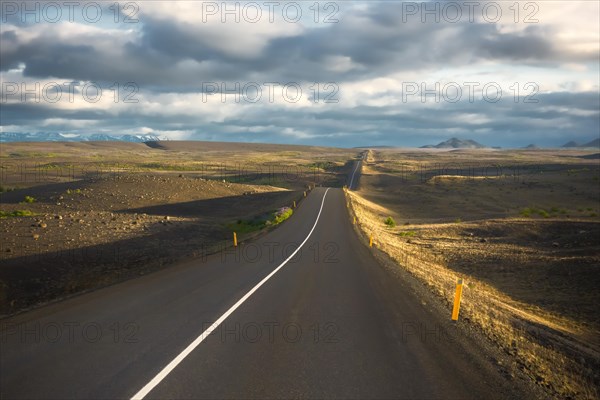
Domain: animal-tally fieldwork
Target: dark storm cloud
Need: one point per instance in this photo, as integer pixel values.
(505, 122)
(36, 113)
(376, 40)
(167, 56)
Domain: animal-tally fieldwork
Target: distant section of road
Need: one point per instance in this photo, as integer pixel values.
(327, 322)
(355, 175)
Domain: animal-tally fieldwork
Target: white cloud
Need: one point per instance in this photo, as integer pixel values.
(341, 64)
(245, 39)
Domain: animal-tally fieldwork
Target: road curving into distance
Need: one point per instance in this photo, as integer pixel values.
(261, 321)
(354, 177)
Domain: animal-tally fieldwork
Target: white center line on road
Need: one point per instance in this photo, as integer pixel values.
(352, 179)
(171, 366)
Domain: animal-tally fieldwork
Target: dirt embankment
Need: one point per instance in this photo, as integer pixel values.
(530, 268)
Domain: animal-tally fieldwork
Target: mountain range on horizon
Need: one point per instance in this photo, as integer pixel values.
(452, 143)
(456, 143)
(6, 137)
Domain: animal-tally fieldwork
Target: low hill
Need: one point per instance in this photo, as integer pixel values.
(593, 143)
(455, 143)
(572, 144)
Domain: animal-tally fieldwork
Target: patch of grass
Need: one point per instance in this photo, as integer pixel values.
(287, 154)
(457, 221)
(389, 221)
(322, 165)
(407, 234)
(258, 223)
(50, 166)
(263, 180)
(160, 166)
(74, 191)
(16, 213)
(247, 226)
(281, 215)
(529, 211)
(190, 166)
(5, 189)
(32, 154)
(29, 199)
(526, 212)
(576, 170)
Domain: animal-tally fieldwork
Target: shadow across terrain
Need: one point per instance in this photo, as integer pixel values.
(40, 276)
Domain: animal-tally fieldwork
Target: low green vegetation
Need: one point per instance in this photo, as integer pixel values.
(16, 213)
(529, 212)
(163, 167)
(188, 166)
(407, 234)
(576, 170)
(543, 213)
(51, 166)
(74, 191)
(246, 226)
(32, 154)
(258, 223)
(389, 221)
(281, 215)
(293, 154)
(5, 189)
(29, 199)
(322, 165)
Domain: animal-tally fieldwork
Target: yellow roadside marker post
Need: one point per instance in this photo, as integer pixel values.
(294, 203)
(371, 240)
(305, 193)
(457, 297)
(354, 221)
(234, 239)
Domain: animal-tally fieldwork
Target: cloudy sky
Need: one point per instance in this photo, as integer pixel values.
(329, 73)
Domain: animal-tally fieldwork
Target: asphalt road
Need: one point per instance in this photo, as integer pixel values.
(329, 323)
(354, 177)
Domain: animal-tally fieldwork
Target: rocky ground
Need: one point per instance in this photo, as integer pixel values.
(76, 216)
(85, 234)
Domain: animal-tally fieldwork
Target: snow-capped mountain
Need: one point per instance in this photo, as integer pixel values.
(69, 137)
